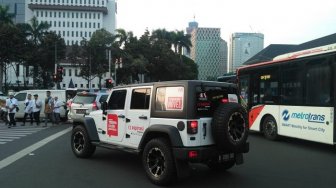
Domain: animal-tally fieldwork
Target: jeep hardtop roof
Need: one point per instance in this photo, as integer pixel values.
(180, 82)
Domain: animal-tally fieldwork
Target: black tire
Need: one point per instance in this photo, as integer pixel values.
(158, 162)
(270, 128)
(221, 166)
(230, 126)
(80, 143)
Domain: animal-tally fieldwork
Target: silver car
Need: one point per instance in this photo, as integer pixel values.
(86, 102)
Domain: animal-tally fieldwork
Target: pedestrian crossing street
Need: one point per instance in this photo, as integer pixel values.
(14, 133)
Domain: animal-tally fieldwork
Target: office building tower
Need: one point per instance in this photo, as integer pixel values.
(16, 7)
(209, 51)
(243, 46)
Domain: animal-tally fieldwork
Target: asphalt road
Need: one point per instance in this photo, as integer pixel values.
(285, 163)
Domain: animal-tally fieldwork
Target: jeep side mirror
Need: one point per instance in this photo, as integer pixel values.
(104, 108)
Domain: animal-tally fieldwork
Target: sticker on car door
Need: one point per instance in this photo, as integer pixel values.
(112, 125)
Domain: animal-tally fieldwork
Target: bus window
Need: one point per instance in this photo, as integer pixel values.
(243, 87)
(318, 79)
(268, 88)
(292, 86)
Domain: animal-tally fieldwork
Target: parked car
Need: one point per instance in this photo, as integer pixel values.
(84, 103)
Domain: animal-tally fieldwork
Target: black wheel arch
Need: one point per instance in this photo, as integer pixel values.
(90, 126)
(167, 131)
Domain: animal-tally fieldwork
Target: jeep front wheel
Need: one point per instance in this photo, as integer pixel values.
(158, 162)
(80, 143)
(230, 126)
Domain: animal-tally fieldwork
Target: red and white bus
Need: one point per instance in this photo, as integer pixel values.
(294, 95)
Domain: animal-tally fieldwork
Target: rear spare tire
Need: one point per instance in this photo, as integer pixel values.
(230, 126)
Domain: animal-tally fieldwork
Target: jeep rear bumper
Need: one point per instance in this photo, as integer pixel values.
(203, 154)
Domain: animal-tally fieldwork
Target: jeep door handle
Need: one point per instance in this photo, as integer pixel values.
(142, 117)
(121, 116)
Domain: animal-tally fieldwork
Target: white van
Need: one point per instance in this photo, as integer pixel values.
(21, 96)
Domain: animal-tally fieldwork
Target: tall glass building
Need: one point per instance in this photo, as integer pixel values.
(243, 46)
(209, 51)
(16, 7)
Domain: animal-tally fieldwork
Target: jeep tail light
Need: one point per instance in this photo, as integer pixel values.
(192, 127)
(225, 100)
(94, 106)
(192, 154)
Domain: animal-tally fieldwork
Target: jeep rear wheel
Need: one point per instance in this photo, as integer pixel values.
(158, 162)
(80, 143)
(230, 126)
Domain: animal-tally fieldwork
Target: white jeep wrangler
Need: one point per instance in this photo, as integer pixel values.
(169, 124)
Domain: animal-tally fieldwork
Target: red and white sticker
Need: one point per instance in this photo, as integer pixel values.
(174, 103)
(112, 125)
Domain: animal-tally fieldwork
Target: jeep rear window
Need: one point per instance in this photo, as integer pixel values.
(169, 99)
(208, 99)
(84, 99)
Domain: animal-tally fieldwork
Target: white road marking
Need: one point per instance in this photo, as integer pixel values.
(11, 159)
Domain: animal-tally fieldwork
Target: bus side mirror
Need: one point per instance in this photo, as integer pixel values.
(104, 108)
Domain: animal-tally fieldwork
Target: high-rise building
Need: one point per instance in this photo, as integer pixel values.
(209, 51)
(16, 7)
(191, 26)
(74, 20)
(242, 47)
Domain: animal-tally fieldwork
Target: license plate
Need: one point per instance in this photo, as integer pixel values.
(80, 111)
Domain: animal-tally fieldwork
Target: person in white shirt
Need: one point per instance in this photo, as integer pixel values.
(28, 110)
(37, 105)
(57, 106)
(11, 104)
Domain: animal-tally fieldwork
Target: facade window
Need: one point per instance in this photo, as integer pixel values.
(85, 15)
(70, 72)
(87, 85)
(50, 23)
(85, 25)
(63, 14)
(37, 13)
(89, 34)
(98, 16)
(81, 15)
(73, 14)
(98, 25)
(94, 25)
(59, 24)
(94, 15)
(76, 24)
(76, 33)
(103, 2)
(68, 14)
(89, 15)
(46, 13)
(64, 85)
(41, 14)
(68, 43)
(98, 2)
(55, 14)
(54, 23)
(77, 15)
(73, 24)
(50, 14)
(85, 34)
(76, 85)
(76, 72)
(63, 24)
(59, 32)
(68, 24)
(59, 14)
(81, 24)
(81, 85)
(81, 34)
(93, 85)
(68, 33)
(90, 25)
(72, 33)
(63, 34)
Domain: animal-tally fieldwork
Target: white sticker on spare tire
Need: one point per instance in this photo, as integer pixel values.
(233, 98)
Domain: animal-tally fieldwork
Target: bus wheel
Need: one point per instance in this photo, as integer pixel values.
(270, 128)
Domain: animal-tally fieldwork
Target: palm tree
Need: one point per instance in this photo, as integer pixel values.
(5, 16)
(36, 30)
(180, 41)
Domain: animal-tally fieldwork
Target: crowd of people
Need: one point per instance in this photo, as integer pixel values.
(33, 109)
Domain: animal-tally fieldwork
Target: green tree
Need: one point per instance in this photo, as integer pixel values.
(5, 16)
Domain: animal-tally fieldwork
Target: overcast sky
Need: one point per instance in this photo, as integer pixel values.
(281, 21)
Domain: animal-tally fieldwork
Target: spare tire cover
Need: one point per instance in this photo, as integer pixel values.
(230, 126)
